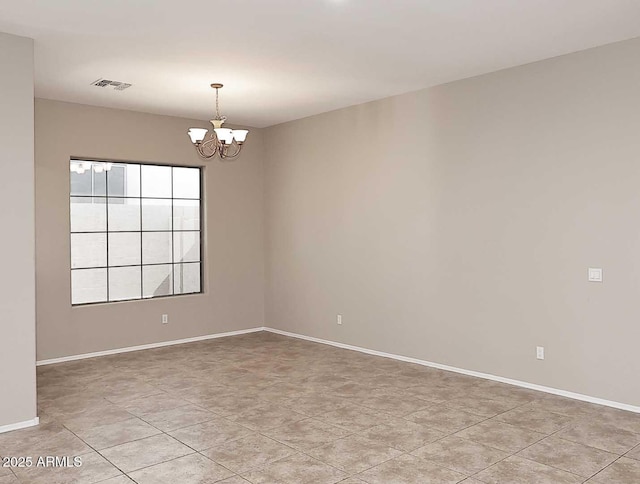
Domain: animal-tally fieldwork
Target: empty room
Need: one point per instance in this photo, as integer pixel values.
(320, 241)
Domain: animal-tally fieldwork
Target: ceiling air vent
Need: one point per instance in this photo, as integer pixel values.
(116, 85)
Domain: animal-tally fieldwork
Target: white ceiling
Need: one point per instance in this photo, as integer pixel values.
(286, 59)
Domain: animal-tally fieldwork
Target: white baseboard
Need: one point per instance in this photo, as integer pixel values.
(486, 376)
(19, 425)
(146, 347)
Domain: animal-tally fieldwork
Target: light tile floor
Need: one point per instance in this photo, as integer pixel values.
(264, 408)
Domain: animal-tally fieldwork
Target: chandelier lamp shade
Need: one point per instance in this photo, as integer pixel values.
(224, 142)
(81, 167)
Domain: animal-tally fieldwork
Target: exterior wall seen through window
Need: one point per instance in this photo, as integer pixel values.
(136, 231)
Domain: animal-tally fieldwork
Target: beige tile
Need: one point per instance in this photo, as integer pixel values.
(501, 436)
(211, 433)
(419, 373)
(484, 407)
(316, 404)
(496, 391)
(123, 390)
(569, 456)
(427, 394)
(276, 384)
(408, 469)
(5, 470)
(118, 480)
(516, 470)
(457, 380)
(234, 480)
(47, 439)
(45, 418)
(179, 383)
(394, 402)
(94, 469)
(445, 419)
(176, 418)
(248, 453)
(266, 416)
(351, 391)
(8, 479)
(117, 433)
(306, 434)
(460, 455)
(199, 393)
(153, 403)
(634, 453)
(73, 404)
(536, 420)
(354, 453)
(566, 406)
(602, 436)
(191, 469)
(402, 435)
(231, 404)
(620, 418)
(355, 418)
(439, 392)
(296, 469)
(395, 381)
(320, 380)
(281, 392)
(145, 452)
(622, 471)
(94, 417)
(12, 443)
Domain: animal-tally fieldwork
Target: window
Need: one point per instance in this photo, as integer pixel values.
(135, 231)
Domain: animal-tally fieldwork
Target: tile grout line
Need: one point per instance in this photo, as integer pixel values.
(296, 450)
(277, 379)
(357, 433)
(303, 452)
(135, 440)
(533, 460)
(604, 468)
(511, 454)
(477, 423)
(95, 450)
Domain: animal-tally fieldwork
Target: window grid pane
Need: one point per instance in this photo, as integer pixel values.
(130, 238)
(124, 214)
(88, 214)
(90, 286)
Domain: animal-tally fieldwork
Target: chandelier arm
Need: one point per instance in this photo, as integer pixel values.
(205, 156)
(199, 149)
(212, 139)
(224, 155)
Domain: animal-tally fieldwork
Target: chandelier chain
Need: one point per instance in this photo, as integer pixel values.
(217, 105)
(225, 142)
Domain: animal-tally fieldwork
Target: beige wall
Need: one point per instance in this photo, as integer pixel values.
(17, 284)
(456, 224)
(234, 267)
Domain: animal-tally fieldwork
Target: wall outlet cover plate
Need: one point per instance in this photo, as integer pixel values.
(595, 274)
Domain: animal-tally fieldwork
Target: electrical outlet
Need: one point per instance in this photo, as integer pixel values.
(595, 274)
(339, 319)
(540, 352)
(165, 319)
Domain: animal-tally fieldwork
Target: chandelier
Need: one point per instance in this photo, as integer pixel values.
(81, 167)
(226, 143)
